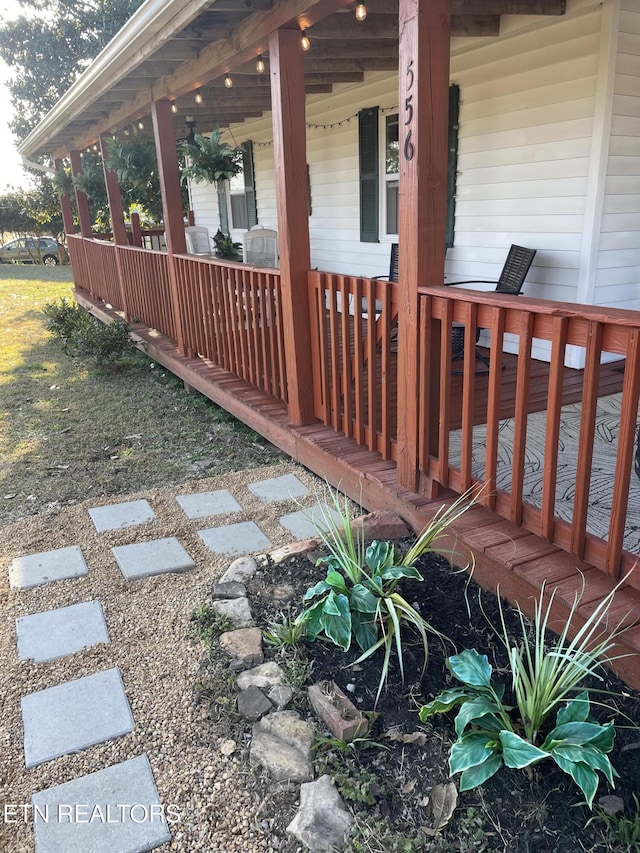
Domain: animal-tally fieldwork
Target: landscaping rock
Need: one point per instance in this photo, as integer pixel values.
(264, 676)
(253, 704)
(280, 695)
(244, 646)
(230, 589)
(322, 822)
(236, 610)
(241, 570)
(281, 743)
(381, 524)
(337, 711)
(293, 550)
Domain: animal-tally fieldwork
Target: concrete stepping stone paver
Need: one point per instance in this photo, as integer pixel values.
(156, 557)
(116, 516)
(278, 488)
(242, 538)
(304, 524)
(202, 504)
(115, 809)
(74, 715)
(46, 566)
(56, 633)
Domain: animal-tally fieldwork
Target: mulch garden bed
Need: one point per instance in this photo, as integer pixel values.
(387, 777)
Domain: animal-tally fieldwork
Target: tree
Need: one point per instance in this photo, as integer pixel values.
(30, 212)
(50, 45)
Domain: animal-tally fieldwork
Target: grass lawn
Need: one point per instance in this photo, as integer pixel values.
(69, 432)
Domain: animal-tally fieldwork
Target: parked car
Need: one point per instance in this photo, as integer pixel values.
(31, 250)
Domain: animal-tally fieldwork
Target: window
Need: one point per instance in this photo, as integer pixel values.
(238, 202)
(237, 197)
(379, 172)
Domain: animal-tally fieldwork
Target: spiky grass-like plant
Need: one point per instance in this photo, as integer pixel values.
(359, 598)
(493, 732)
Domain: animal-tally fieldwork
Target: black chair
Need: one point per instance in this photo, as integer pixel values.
(393, 266)
(511, 280)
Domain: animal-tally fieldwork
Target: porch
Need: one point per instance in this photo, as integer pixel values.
(229, 319)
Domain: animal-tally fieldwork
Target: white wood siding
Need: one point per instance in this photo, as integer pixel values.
(618, 263)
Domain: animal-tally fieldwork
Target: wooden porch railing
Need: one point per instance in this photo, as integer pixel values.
(145, 277)
(78, 258)
(597, 331)
(354, 368)
(232, 316)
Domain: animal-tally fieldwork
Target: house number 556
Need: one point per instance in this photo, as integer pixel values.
(408, 107)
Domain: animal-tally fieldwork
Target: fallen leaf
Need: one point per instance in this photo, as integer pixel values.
(442, 803)
(408, 787)
(415, 738)
(611, 804)
(9, 497)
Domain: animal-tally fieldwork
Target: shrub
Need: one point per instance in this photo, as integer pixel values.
(84, 337)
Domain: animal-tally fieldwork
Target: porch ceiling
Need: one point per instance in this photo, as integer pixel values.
(172, 49)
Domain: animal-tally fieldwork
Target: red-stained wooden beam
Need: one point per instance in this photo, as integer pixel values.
(82, 202)
(290, 162)
(114, 198)
(424, 27)
(65, 206)
(169, 175)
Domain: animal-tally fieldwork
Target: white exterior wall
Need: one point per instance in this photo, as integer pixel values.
(618, 261)
(533, 138)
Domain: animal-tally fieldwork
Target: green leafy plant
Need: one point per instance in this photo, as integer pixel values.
(359, 599)
(284, 633)
(492, 733)
(84, 337)
(208, 623)
(225, 246)
(210, 160)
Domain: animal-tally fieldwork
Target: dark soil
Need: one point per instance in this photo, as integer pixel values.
(386, 780)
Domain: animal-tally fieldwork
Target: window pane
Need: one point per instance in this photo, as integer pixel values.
(392, 207)
(238, 212)
(392, 148)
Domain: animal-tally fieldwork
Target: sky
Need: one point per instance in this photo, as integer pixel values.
(11, 171)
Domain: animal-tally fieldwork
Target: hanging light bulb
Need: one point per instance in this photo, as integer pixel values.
(361, 12)
(304, 40)
(228, 81)
(198, 97)
(260, 64)
(174, 108)
(140, 125)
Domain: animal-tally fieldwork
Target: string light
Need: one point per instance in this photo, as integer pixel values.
(304, 40)
(260, 64)
(174, 108)
(140, 125)
(361, 12)
(198, 97)
(331, 126)
(228, 81)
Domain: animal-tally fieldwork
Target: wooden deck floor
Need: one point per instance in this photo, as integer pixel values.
(504, 555)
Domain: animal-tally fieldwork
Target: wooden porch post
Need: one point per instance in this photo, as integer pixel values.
(82, 202)
(171, 200)
(65, 206)
(115, 199)
(290, 161)
(116, 212)
(424, 27)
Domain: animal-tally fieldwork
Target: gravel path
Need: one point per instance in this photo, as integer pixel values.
(157, 653)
